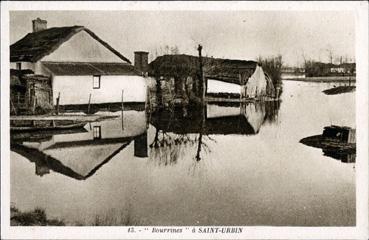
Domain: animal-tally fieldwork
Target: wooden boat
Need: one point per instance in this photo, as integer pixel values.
(334, 140)
(319, 141)
(46, 125)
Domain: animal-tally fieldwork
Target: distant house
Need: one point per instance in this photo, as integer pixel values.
(319, 69)
(80, 155)
(81, 66)
(224, 78)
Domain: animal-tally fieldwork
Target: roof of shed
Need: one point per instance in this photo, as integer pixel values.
(34, 46)
(90, 68)
(227, 70)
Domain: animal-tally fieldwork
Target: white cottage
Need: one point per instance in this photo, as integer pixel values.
(83, 68)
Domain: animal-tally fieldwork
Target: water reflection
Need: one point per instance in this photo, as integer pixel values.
(177, 128)
(343, 157)
(244, 119)
(80, 155)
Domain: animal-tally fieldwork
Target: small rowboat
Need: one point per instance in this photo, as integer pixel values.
(336, 142)
(53, 126)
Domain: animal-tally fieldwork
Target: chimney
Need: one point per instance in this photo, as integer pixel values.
(142, 61)
(39, 24)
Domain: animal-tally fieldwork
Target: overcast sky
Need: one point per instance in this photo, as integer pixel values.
(238, 35)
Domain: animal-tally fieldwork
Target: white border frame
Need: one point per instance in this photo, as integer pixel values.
(361, 22)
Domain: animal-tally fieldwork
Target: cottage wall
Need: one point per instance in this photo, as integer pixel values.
(257, 83)
(216, 86)
(82, 48)
(76, 89)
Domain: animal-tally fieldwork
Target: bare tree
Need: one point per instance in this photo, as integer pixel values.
(330, 55)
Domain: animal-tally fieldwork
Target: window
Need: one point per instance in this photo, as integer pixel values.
(97, 132)
(96, 82)
(19, 66)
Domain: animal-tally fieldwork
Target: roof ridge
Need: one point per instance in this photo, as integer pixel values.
(206, 57)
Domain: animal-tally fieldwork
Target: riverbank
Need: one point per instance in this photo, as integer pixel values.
(36, 217)
(324, 79)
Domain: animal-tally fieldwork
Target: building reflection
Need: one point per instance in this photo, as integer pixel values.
(80, 155)
(179, 128)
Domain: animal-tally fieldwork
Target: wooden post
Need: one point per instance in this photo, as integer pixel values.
(89, 102)
(241, 86)
(122, 108)
(122, 99)
(34, 105)
(202, 86)
(12, 104)
(57, 104)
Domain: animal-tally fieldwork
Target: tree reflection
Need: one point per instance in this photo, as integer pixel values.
(181, 133)
(168, 146)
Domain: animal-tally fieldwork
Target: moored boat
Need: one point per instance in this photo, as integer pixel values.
(45, 125)
(334, 139)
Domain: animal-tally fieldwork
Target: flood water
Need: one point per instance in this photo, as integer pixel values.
(223, 165)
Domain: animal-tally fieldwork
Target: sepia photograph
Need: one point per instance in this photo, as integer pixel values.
(202, 121)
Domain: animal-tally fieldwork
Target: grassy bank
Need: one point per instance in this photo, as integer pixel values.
(36, 217)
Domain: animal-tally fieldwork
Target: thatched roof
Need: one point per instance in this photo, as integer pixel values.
(36, 45)
(90, 68)
(227, 70)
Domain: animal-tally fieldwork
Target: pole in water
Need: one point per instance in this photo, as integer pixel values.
(57, 104)
(202, 86)
(89, 102)
(122, 108)
(122, 99)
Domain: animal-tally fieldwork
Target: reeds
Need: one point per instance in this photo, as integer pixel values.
(273, 67)
(36, 217)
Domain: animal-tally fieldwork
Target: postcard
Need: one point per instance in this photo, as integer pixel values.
(184, 120)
